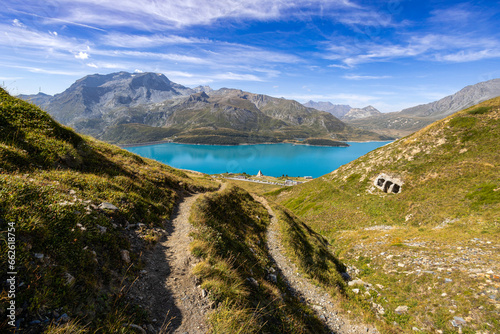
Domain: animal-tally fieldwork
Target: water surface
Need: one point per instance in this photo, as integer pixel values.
(271, 159)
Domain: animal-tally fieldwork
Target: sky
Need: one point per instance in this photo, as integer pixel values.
(391, 54)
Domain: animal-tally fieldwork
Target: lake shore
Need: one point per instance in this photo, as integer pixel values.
(241, 144)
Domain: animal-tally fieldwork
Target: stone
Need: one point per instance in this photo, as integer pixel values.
(318, 308)
(359, 282)
(448, 280)
(63, 318)
(379, 308)
(253, 281)
(458, 322)
(401, 309)
(69, 278)
(125, 256)
(108, 206)
(322, 318)
(273, 278)
(39, 256)
(102, 229)
(356, 291)
(204, 293)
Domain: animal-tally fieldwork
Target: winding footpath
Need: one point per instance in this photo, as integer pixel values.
(167, 288)
(319, 300)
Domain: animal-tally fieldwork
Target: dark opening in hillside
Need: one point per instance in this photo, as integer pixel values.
(387, 186)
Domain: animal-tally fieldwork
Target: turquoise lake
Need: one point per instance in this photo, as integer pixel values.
(271, 159)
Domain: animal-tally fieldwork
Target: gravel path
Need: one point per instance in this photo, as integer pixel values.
(321, 302)
(168, 289)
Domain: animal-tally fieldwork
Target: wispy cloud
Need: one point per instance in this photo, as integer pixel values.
(19, 36)
(150, 15)
(433, 47)
(49, 71)
(146, 41)
(365, 77)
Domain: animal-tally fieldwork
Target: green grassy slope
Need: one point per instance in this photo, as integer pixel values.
(69, 249)
(449, 207)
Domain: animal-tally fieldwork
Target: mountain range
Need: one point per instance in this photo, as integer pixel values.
(129, 108)
(407, 121)
(343, 112)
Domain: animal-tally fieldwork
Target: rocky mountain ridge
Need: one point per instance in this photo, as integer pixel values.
(343, 112)
(407, 121)
(131, 108)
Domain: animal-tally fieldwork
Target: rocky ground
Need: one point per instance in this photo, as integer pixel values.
(421, 284)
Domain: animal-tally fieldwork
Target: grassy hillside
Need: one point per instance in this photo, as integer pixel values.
(433, 247)
(78, 207)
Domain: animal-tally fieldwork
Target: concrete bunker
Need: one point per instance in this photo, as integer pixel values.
(388, 184)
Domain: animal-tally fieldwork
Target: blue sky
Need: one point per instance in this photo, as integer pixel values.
(391, 54)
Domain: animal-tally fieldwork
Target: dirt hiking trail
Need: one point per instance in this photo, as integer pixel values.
(326, 308)
(167, 288)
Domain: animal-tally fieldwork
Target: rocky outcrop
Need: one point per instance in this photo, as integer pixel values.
(358, 113)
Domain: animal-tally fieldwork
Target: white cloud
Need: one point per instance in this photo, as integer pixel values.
(82, 55)
(365, 77)
(17, 23)
(138, 71)
(92, 65)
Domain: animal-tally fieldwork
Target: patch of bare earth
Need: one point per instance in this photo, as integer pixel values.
(167, 288)
(326, 308)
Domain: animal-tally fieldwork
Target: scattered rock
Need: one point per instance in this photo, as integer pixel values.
(401, 309)
(273, 278)
(102, 229)
(458, 322)
(108, 206)
(356, 291)
(359, 282)
(63, 318)
(69, 278)
(253, 281)
(125, 256)
(380, 310)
